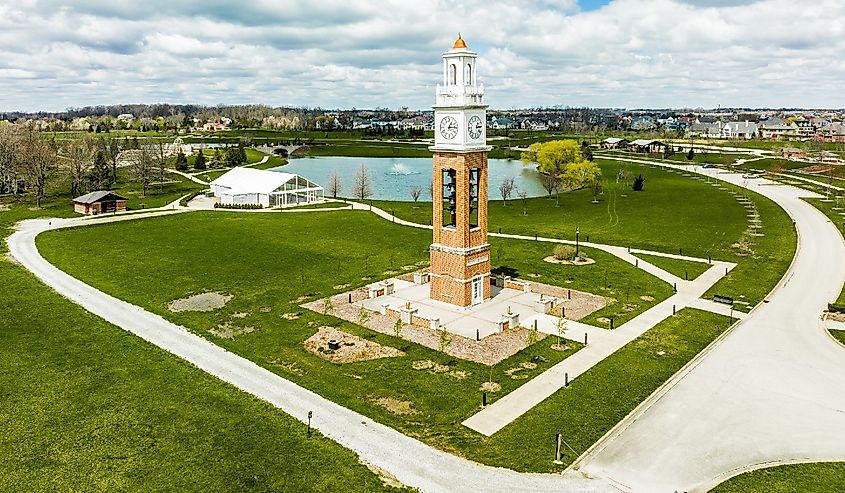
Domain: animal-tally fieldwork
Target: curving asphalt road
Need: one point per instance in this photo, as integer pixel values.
(771, 392)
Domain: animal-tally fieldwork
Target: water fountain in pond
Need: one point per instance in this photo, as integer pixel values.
(401, 170)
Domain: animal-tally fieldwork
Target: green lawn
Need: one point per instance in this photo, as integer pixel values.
(839, 335)
(833, 210)
(814, 477)
(87, 405)
(684, 269)
(295, 255)
(157, 195)
(601, 397)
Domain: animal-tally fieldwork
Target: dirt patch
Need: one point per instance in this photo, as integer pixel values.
(534, 275)
(395, 406)
(575, 304)
(240, 315)
(352, 348)
(203, 302)
(440, 368)
(458, 374)
(229, 331)
(291, 315)
(341, 286)
(646, 297)
(839, 317)
(490, 387)
(603, 320)
(386, 478)
(4, 208)
(423, 364)
(289, 366)
(265, 309)
(559, 347)
(580, 261)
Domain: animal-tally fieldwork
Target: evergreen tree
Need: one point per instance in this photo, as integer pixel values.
(199, 160)
(181, 162)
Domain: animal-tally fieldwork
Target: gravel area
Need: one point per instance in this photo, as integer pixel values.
(203, 302)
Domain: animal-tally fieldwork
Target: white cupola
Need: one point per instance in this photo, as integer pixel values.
(460, 85)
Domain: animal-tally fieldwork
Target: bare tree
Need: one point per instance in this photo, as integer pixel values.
(38, 161)
(111, 147)
(335, 185)
(143, 168)
(79, 156)
(10, 152)
(160, 168)
(506, 188)
(522, 194)
(362, 187)
(550, 181)
(415, 192)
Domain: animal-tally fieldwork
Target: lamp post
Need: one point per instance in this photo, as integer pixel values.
(577, 234)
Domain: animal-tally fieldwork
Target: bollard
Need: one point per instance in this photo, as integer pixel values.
(566, 379)
(585, 338)
(675, 287)
(535, 236)
(477, 335)
(680, 251)
(611, 324)
(535, 324)
(673, 309)
(726, 271)
(310, 414)
(588, 238)
(637, 263)
(569, 294)
(709, 261)
(500, 230)
(686, 275)
(350, 298)
(484, 399)
(557, 449)
(563, 311)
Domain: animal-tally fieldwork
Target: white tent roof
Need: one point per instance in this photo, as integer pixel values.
(644, 142)
(613, 140)
(247, 180)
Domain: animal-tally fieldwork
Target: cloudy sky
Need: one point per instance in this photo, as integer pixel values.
(353, 53)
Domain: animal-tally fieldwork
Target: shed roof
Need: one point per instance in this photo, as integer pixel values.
(614, 140)
(644, 142)
(97, 196)
(248, 180)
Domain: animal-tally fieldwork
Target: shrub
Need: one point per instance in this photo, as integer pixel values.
(218, 205)
(190, 197)
(564, 252)
(836, 307)
(638, 183)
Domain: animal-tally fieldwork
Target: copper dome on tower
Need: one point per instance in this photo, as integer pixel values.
(459, 43)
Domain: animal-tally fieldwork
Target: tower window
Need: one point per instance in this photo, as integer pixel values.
(450, 203)
(474, 177)
(453, 74)
(468, 75)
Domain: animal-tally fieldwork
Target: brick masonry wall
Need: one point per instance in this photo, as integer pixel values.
(451, 268)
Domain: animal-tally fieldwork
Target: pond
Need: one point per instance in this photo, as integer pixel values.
(393, 178)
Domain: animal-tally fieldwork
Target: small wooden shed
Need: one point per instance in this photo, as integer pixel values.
(99, 202)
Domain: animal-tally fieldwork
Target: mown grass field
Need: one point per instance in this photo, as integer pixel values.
(597, 400)
(276, 260)
(86, 406)
(814, 477)
(684, 269)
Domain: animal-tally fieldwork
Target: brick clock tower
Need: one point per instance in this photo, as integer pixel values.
(460, 254)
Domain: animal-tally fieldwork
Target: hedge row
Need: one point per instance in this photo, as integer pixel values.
(218, 205)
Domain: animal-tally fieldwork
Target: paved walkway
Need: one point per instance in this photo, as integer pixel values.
(513, 405)
(771, 392)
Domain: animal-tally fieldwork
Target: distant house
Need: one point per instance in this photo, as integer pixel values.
(247, 186)
(793, 153)
(739, 130)
(99, 202)
(643, 123)
(614, 143)
(502, 122)
(705, 130)
(777, 128)
(649, 146)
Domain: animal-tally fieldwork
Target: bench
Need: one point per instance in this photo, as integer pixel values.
(725, 300)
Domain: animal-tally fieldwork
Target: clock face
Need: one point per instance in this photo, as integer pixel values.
(448, 127)
(475, 127)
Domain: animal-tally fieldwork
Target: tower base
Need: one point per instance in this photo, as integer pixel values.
(460, 276)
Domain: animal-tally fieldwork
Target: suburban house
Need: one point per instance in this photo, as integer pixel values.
(256, 187)
(614, 143)
(739, 130)
(649, 146)
(706, 130)
(777, 128)
(502, 122)
(99, 202)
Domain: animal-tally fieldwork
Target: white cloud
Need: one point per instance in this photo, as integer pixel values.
(336, 53)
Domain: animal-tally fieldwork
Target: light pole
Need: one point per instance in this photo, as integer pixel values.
(577, 234)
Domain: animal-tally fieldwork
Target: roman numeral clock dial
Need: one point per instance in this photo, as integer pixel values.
(475, 127)
(448, 127)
